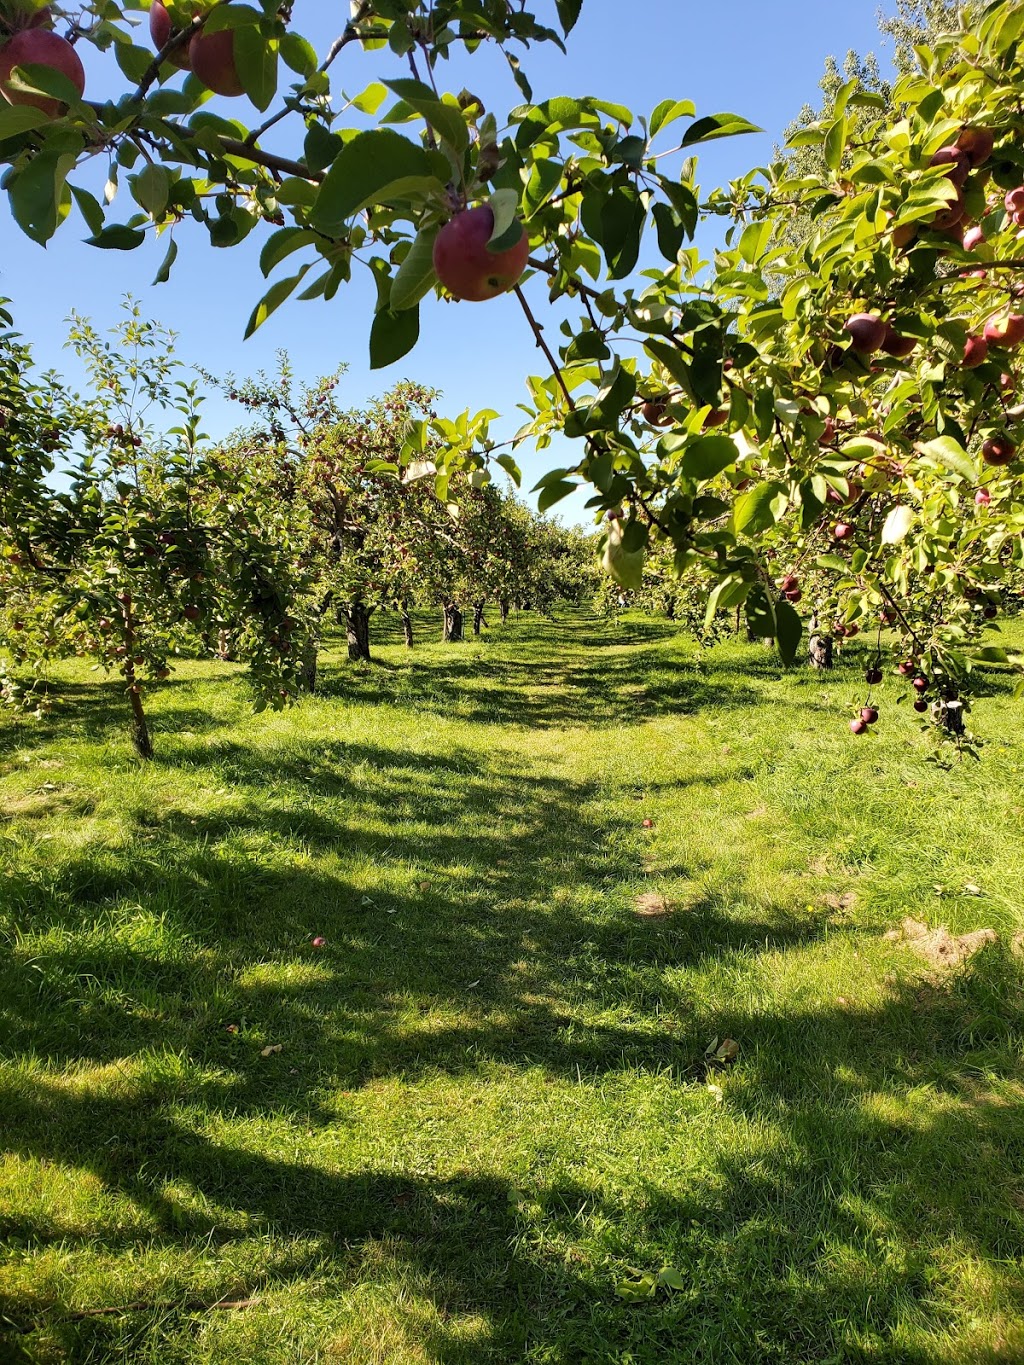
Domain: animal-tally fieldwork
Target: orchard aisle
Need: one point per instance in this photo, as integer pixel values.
(477, 1122)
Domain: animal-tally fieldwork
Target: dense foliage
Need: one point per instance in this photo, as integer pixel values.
(846, 403)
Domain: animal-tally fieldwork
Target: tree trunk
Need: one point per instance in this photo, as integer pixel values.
(225, 652)
(406, 625)
(503, 608)
(478, 618)
(357, 628)
(670, 608)
(139, 729)
(819, 649)
(308, 666)
(452, 632)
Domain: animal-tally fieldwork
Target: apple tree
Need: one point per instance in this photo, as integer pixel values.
(715, 404)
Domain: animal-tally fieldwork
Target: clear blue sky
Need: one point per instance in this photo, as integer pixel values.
(752, 57)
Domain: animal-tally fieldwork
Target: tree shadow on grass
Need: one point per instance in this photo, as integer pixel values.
(886, 1138)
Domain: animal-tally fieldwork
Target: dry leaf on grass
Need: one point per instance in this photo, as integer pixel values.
(652, 905)
(721, 1052)
(270, 1049)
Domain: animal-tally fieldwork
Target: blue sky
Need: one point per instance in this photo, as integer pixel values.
(761, 60)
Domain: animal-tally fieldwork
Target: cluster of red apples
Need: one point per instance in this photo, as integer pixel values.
(210, 56)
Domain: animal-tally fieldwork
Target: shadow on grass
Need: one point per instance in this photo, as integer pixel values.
(820, 1245)
(873, 1143)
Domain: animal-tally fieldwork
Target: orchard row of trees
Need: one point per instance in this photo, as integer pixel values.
(128, 537)
(834, 396)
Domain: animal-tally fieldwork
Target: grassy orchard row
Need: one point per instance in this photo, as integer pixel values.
(155, 543)
(722, 407)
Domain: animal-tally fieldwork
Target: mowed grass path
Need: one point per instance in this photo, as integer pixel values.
(490, 1111)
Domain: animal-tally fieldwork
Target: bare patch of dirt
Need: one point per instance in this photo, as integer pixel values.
(652, 905)
(840, 900)
(938, 947)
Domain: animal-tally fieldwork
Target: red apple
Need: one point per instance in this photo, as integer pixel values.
(858, 726)
(654, 413)
(975, 352)
(715, 418)
(790, 583)
(998, 450)
(465, 266)
(842, 530)
(1014, 200)
(873, 677)
(982, 498)
(903, 235)
(920, 683)
(1008, 331)
(949, 219)
(191, 613)
(829, 434)
(956, 159)
(973, 237)
(866, 333)
(920, 704)
(212, 57)
(896, 345)
(794, 595)
(161, 28)
(976, 144)
(40, 47)
(869, 714)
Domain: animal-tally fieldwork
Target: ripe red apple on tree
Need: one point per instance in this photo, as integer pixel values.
(465, 266)
(842, 530)
(920, 704)
(858, 725)
(1014, 200)
(161, 27)
(896, 345)
(973, 237)
(716, 418)
(982, 498)
(976, 144)
(654, 412)
(998, 450)
(212, 57)
(873, 677)
(1008, 331)
(975, 352)
(866, 332)
(40, 47)
(957, 161)
(869, 714)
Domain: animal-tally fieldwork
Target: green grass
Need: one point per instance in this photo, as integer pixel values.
(490, 1110)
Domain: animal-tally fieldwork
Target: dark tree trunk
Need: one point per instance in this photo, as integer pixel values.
(503, 608)
(357, 628)
(452, 632)
(308, 666)
(819, 649)
(225, 651)
(670, 608)
(406, 626)
(478, 618)
(141, 741)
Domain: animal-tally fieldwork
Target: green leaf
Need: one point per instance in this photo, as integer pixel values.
(835, 144)
(299, 54)
(164, 273)
(371, 98)
(393, 335)
(273, 298)
(897, 525)
(415, 275)
(554, 492)
(151, 188)
(36, 194)
(510, 467)
(708, 456)
(790, 629)
(717, 125)
(46, 79)
(446, 120)
(759, 508)
(20, 118)
(281, 244)
(504, 205)
(256, 62)
(568, 13)
(671, 1279)
(668, 111)
(622, 223)
(117, 238)
(950, 453)
(371, 167)
(89, 208)
(761, 614)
